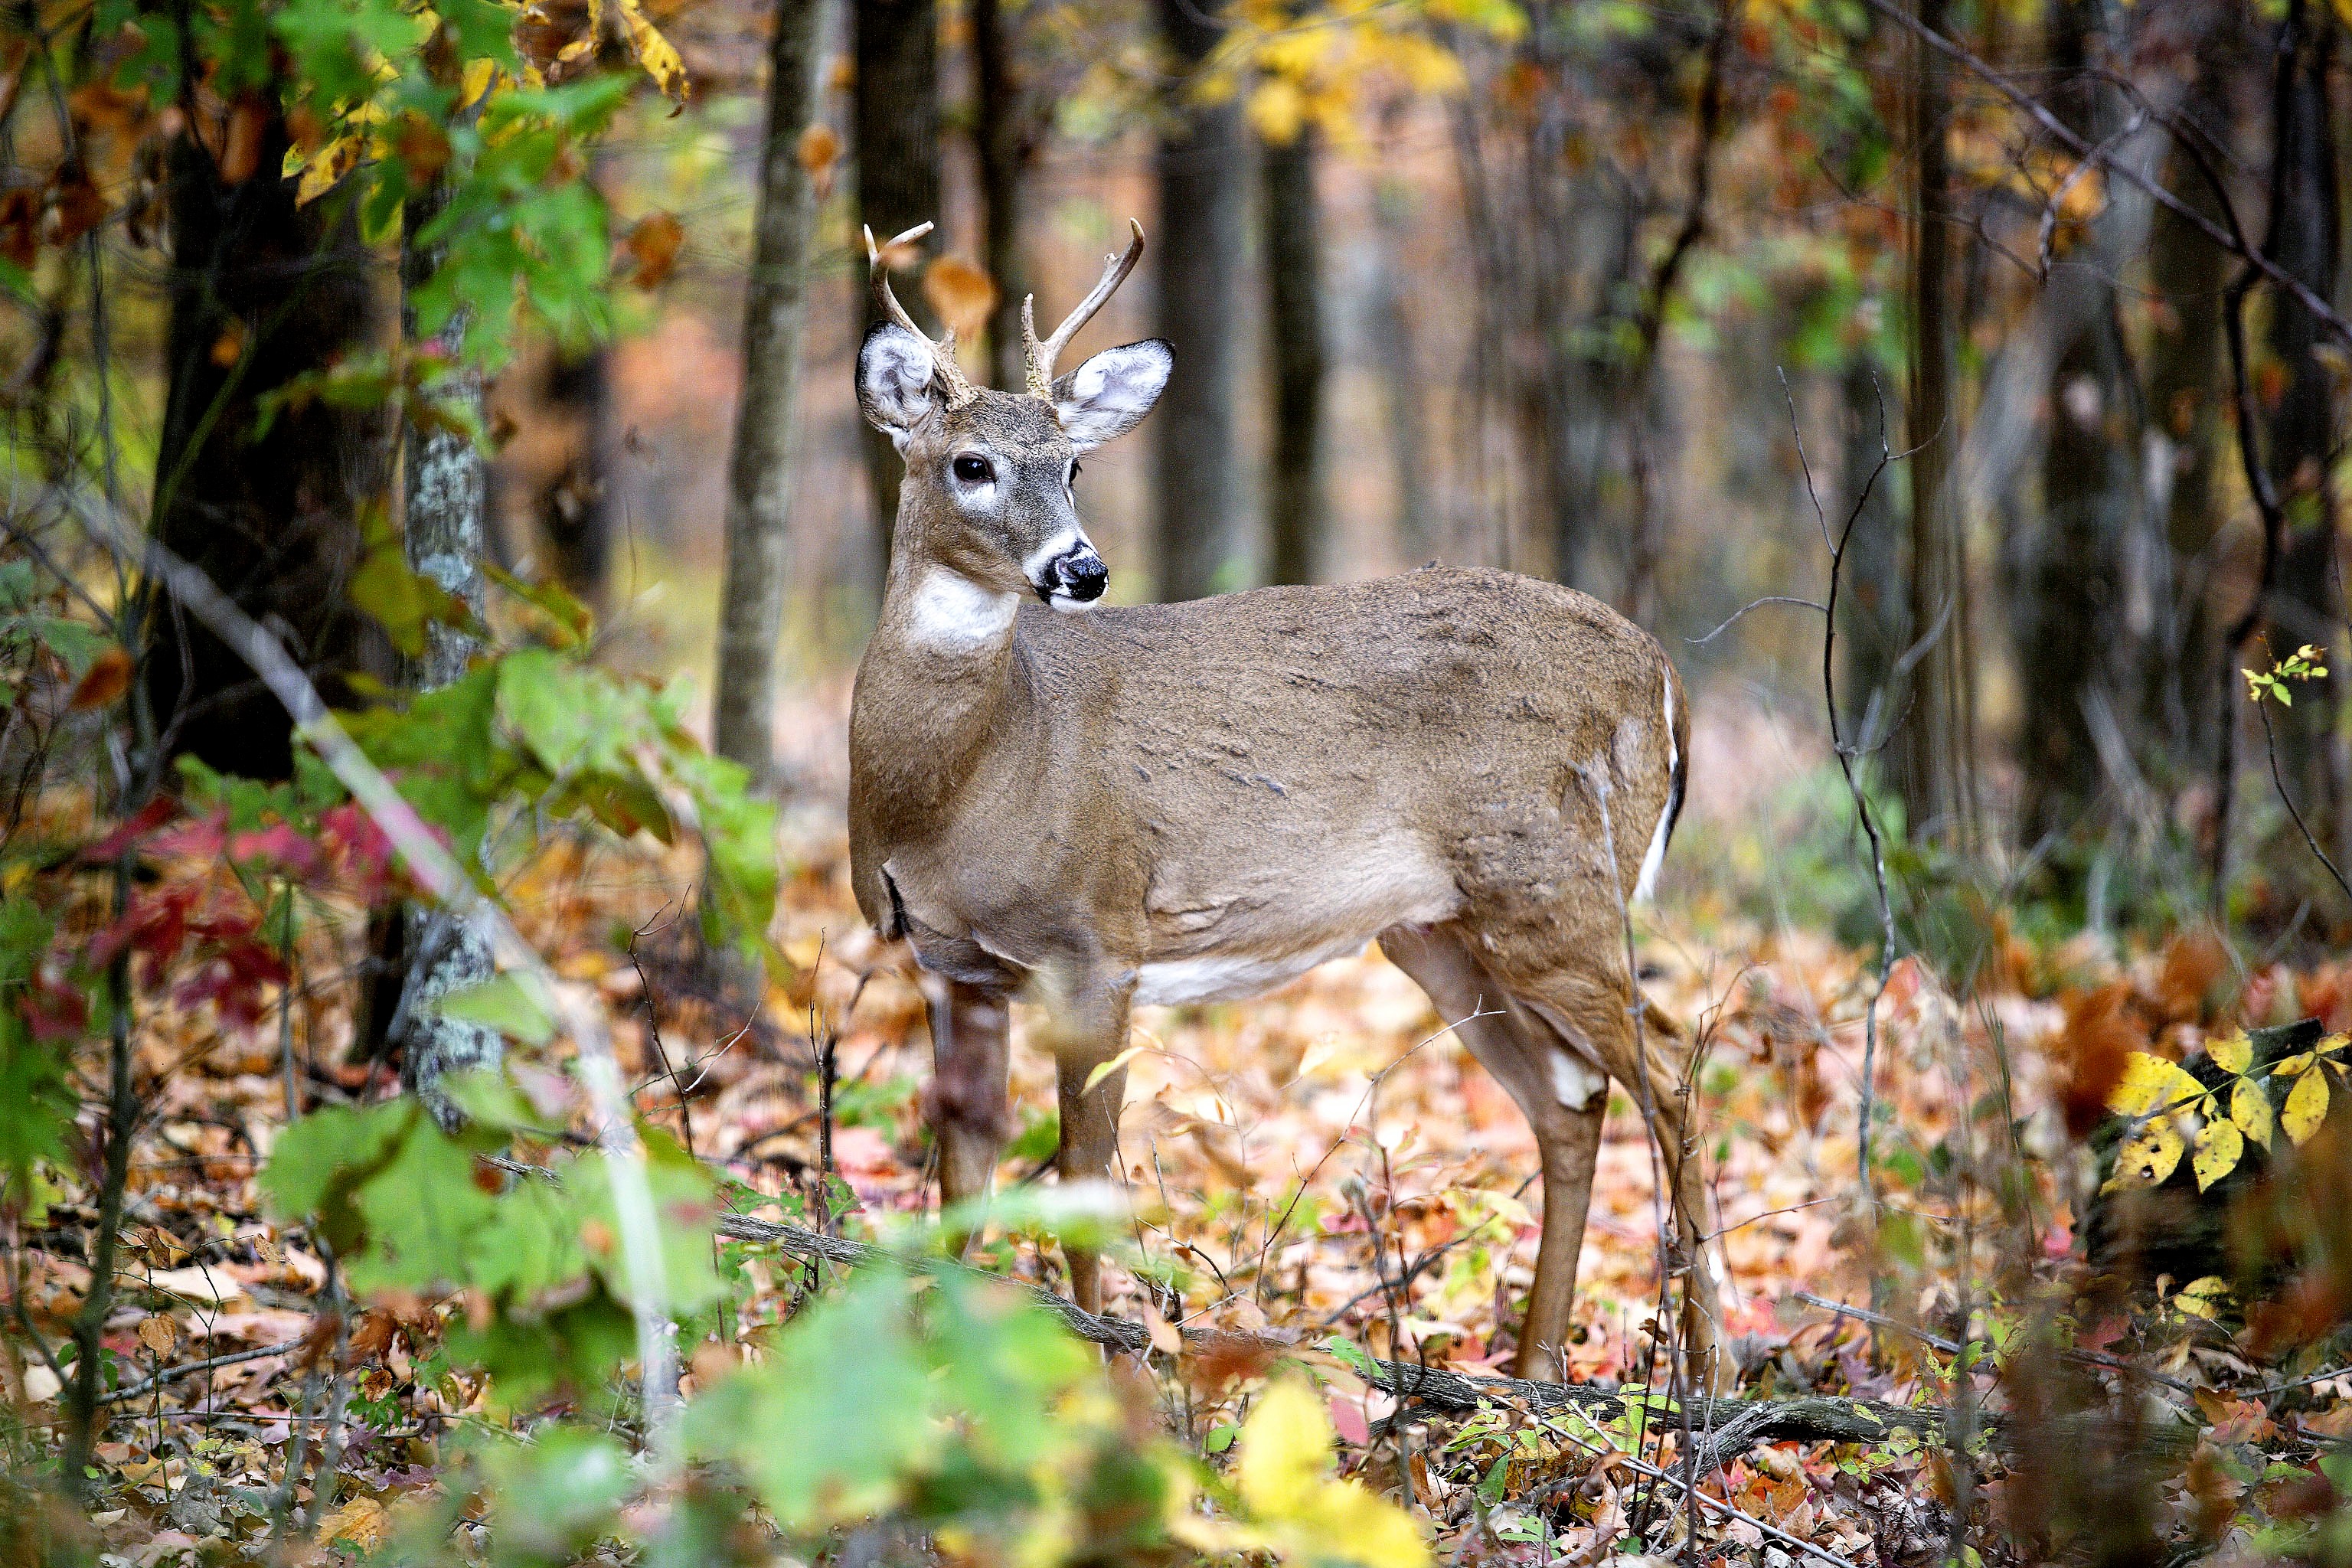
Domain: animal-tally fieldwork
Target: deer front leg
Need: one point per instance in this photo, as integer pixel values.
(969, 1110)
(1088, 1032)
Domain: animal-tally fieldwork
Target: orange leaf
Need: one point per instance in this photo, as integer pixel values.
(653, 245)
(962, 293)
(108, 678)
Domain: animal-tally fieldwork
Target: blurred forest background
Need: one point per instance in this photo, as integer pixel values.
(463, 1128)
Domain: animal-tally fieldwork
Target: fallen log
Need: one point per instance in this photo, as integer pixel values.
(1732, 1426)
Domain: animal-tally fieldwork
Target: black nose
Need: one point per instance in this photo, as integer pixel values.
(1081, 574)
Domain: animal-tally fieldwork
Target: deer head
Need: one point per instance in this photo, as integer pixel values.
(990, 475)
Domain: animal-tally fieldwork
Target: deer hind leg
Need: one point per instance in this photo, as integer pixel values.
(1563, 1098)
(1650, 1066)
(969, 1112)
(1088, 1032)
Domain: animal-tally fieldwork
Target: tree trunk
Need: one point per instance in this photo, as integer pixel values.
(574, 508)
(2304, 240)
(1933, 738)
(445, 519)
(2079, 634)
(1399, 366)
(896, 137)
(260, 290)
(1202, 210)
(1873, 631)
(759, 469)
(1001, 140)
(1290, 249)
(2186, 440)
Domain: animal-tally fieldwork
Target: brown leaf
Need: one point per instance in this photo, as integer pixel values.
(20, 226)
(248, 119)
(372, 1333)
(1219, 1360)
(422, 145)
(108, 678)
(159, 1334)
(653, 244)
(2095, 1042)
(77, 204)
(962, 293)
(230, 344)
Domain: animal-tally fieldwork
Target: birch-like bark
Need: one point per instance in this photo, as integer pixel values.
(759, 471)
(444, 510)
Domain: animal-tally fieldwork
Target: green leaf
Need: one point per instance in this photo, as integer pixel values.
(424, 1214)
(515, 1003)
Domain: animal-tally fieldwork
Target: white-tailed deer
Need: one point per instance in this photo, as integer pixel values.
(1179, 803)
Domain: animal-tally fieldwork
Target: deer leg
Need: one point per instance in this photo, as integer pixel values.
(1564, 1098)
(1651, 1072)
(969, 1113)
(1088, 1033)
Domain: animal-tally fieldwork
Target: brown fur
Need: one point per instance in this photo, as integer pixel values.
(1468, 764)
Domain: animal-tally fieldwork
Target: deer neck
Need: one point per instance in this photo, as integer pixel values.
(933, 687)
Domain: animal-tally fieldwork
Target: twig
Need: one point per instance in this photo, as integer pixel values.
(2270, 744)
(173, 1373)
(1867, 1111)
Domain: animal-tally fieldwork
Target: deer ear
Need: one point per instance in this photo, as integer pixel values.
(1108, 395)
(894, 382)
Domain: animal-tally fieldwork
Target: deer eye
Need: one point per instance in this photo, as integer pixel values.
(973, 469)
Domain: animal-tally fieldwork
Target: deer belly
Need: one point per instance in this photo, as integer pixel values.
(1246, 942)
(1228, 977)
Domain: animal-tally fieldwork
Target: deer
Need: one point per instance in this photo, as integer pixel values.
(1102, 807)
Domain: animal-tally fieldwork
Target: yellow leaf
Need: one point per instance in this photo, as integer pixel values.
(1286, 1450)
(2306, 1105)
(1301, 1514)
(2147, 1156)
(1104, 1070)
(2250, 1108)
(361, 1522)
(2334, 1044)
(2151, 1083)
(2202, 1298)
(479, 75)
(2219, 1146)
(2233, 1055)
(656, 53)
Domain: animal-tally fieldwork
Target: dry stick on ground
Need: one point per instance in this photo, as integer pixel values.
(1824, 1418)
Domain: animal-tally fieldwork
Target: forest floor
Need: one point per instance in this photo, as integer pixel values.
(1289, 1161)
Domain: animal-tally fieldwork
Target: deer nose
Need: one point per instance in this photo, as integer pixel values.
(1079, 574)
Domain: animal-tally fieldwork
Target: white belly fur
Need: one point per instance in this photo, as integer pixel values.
(1396, 883)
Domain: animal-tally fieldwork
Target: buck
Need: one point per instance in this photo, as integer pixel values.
(1106, 807)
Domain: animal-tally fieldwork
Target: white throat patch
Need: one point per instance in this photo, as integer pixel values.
(952, 614)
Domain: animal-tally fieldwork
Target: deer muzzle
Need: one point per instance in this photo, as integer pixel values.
(1076, 576)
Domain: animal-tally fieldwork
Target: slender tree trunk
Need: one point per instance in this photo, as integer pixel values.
(1203, 201)
(2186, 440)
(1399, 366)
(1933, 736)
(1290, 247)
(2079, 640)
(259, 291)
(759, 469)
(1877, 622)
(444, 518)
(896, 136)
(1001, 140)
(2305, 240)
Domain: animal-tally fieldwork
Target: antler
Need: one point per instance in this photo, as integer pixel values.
(1041, 355)
(943, 360)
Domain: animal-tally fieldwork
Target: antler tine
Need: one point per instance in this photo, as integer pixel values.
(1042, 356)
(943, 361)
